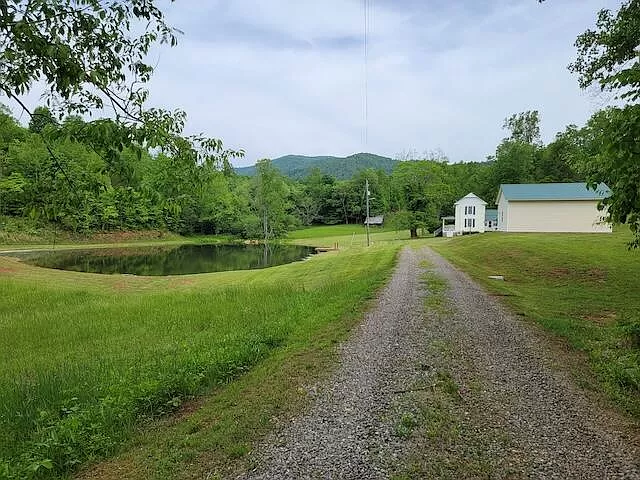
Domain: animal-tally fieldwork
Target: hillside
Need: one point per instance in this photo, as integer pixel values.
(299, 166)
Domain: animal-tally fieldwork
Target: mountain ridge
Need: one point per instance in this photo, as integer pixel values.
(343, 168)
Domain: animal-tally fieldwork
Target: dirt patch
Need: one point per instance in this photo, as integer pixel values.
(119, 286)
(187, 408)
(559, 272)
(111, 470)
(596, 274)
(606, 317)
(184, 282)
(589, 275)
(7, 270)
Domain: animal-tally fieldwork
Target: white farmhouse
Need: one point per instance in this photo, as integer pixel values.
(551, 207)
(469, 214)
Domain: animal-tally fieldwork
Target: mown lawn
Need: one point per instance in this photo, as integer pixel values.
(85, 358)
(324, 231)
(584, 288)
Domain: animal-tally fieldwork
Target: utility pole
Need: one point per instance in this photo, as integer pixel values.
(366, 186)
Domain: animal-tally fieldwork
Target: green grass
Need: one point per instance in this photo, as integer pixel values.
(22, 232)
(585, 288)
(335, 231)
(443, 441)
(85, 358)
(436, 288)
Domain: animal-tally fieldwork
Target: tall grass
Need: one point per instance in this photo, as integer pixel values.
(84, 358)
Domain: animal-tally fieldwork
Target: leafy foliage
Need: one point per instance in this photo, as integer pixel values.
(610, 156)
(524, 127)
(609, 57)
(93, 55)
(88, 185)
(421, 194)
(270, 194)
(40, 118)
(87, 52)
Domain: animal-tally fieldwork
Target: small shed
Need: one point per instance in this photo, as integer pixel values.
(375, 221)
(491, 219)
(551, 207)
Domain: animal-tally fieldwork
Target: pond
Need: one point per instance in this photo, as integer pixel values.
(170, 260)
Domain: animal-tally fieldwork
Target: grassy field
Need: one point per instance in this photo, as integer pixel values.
(585, 288)
(178, 376)
(85, 358)
(324, 231)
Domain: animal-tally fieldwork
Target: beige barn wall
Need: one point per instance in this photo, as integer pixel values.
(555, 216)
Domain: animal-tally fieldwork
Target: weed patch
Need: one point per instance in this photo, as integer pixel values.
(436, 287)
(444, 442)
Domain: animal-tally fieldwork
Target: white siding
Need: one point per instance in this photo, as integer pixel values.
(461, 216)
(551, 216)
(503, 214)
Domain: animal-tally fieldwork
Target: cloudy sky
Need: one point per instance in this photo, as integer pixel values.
(279, 77)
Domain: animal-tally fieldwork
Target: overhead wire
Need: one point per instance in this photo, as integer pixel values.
(366, 76)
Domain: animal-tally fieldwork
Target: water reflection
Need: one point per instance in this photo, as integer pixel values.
(177, 260)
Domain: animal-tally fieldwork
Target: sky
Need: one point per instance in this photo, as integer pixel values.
(278, 77)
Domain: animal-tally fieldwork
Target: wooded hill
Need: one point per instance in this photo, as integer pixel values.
(342, 168)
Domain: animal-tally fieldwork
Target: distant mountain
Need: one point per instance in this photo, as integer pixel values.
(343, 168)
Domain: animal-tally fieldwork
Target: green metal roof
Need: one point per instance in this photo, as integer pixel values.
(552, 191)
(491, 214)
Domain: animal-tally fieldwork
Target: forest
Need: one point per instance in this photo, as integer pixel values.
(55, 172)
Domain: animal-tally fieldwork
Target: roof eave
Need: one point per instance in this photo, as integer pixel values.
(554, 199)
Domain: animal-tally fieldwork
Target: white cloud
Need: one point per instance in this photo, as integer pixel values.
(279, 77)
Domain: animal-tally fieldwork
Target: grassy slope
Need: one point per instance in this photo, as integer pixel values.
(16, 231)
(583, 287)
(85, 357)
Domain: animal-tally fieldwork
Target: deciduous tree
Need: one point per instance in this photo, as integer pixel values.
(608, 57)
(40, 118)
(524, 127)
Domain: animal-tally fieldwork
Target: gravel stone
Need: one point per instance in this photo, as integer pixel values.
(552, 424)
(554, 429)
(344, 434)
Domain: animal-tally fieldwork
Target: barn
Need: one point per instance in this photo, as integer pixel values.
(551, 207)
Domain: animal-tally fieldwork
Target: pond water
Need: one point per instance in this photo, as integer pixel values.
(170, 260)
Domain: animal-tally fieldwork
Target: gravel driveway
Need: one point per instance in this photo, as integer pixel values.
(514, 412)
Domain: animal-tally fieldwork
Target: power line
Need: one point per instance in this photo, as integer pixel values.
(366, 75)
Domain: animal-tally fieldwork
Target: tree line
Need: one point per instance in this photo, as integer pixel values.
(139, 170)
(51, 173)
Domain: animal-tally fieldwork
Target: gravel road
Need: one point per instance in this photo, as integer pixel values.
(518, 411)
